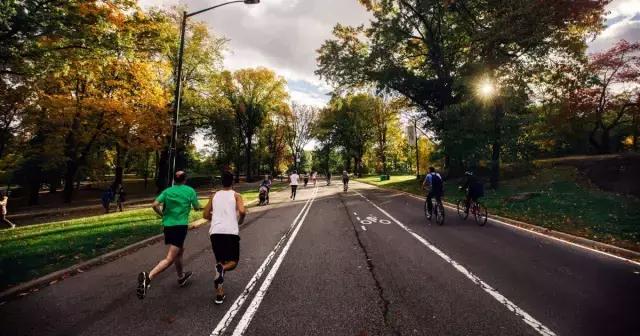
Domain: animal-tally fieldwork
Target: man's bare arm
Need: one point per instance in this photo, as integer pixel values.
(156, 207)
(242, 211)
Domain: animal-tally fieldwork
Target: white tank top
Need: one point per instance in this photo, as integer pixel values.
(225, 217)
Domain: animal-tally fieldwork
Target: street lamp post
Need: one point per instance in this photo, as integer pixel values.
(178, 92)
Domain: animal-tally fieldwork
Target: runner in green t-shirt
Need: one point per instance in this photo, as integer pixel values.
(176, 202)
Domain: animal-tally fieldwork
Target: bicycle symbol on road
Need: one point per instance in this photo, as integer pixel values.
(370, 219)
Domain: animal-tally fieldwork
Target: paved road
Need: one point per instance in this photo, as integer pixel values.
(359, 263)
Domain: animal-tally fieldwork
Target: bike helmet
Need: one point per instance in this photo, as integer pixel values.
(468, 173)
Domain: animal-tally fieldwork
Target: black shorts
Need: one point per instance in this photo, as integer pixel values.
(175, 235)
(226, 247)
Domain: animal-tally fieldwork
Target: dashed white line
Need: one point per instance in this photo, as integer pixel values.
(248, 315)
(233, 310)
(528, 319)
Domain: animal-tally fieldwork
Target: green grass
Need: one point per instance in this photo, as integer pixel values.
(565, 202)
(32, 251)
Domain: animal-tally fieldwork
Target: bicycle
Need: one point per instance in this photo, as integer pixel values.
(438, 211)
(478, 210)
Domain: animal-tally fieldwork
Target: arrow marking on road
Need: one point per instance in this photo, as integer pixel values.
(528, 319)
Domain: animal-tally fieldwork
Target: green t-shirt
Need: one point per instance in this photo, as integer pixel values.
(178, 201)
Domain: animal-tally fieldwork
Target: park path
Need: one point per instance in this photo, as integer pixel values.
(364, 262)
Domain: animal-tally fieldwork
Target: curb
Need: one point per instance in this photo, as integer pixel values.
(35, 284)
(604, 248)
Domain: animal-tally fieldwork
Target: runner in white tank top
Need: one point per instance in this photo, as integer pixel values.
(226, 211)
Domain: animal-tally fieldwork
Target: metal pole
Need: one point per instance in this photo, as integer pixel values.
(176, 105)
(415, 128)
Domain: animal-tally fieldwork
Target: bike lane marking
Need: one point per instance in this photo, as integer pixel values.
(251, 310)
(528, 319)
(237, 304)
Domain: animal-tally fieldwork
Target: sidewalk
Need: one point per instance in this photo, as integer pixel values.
(63, 213)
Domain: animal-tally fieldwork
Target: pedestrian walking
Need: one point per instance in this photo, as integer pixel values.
(226, 212)
(328, 177)
(4, 200)
(120, 198)
(107, 198)
(314, 177)
(177, 202)
(306, 179)
(293, 182)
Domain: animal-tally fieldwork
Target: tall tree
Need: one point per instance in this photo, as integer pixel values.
(299, 129)
(252, 94)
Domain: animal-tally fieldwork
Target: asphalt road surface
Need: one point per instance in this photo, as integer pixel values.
(364, 262)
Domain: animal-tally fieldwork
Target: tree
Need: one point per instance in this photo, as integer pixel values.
(610, 94)
(348, 122)
(385, 120)
(299, 128)
(433, 51)
(252, 94)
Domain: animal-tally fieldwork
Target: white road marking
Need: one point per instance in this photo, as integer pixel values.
(358, 218)
(385, 221)
(541, 234)
(365, 222)
(364, 228)
(355, 213)
(233, 310)
(248, 315)
(528, 319)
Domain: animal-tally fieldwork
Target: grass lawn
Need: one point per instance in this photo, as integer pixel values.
(564, 201)
(32, 251)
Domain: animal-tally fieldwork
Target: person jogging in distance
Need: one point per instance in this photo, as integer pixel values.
(4, 200)
(293, 182)
(177, 202)
(227, 212)
(314, 177)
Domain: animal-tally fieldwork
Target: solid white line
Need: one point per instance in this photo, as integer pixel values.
(233, 310)
(560, 240)
(528, 319)
(364, 228)
(244, 322)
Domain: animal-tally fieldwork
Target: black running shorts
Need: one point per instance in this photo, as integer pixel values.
(226, 247)
(175, 235)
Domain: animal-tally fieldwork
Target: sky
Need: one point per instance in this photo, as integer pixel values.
(284, 35)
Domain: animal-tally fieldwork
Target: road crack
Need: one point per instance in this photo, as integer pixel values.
(371, 267)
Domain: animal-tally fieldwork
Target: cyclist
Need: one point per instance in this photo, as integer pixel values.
(473, 188)
(345, 179)
(436, 189)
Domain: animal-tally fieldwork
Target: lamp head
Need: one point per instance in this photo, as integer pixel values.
(251, 2)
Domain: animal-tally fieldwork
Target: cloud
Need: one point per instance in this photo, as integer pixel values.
(623, 22)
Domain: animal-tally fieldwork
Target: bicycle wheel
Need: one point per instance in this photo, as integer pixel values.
(439, 212)
(461, 207)
(480, 214)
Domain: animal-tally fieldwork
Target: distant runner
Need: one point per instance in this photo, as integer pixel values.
(4, 200)
(226, 211)
(177, 202)
(345, 180)
(293, 178)
(314, 177)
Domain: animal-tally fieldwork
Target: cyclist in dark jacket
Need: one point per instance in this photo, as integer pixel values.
(473, 188)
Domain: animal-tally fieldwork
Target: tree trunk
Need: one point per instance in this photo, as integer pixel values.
(69, 178)
(495, 155)
(605, 141)
(247, 153)
(162, 165)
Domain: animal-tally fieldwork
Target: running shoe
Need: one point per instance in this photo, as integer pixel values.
(184, 279)
(220, 299)
(219, 274)
(143, 285)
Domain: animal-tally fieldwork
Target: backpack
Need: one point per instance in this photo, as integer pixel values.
(436, 183)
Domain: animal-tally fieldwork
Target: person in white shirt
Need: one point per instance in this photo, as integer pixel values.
(226, 211)
(3, 214)
(293, 182)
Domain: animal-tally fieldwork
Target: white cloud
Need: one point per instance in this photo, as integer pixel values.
(622, 22)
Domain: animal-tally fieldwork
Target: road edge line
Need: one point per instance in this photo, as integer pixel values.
(519, 312)
(605, 249)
